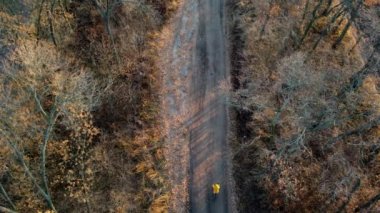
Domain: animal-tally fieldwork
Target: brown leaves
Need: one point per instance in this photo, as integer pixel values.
(372, 2)
(292, 95)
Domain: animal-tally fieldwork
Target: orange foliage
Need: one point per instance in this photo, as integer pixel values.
(372, 2)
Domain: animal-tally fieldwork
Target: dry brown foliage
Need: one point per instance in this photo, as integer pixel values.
(104, 151)
(301, 143)
(372, 2)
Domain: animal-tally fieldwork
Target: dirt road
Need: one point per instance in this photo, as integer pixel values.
(208, 132)
(196, 99)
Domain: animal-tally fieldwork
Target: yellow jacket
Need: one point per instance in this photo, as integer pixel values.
(215, 188)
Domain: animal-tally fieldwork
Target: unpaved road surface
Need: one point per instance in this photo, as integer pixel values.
(196, 78)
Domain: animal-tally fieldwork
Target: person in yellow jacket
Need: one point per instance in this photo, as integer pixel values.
(215, 189)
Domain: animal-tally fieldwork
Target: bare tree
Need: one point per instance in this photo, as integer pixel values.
(106, 9)
(7, 198)
(42, 86)
(336, 15)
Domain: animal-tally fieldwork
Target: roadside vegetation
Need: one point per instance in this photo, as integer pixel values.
(79, 106)
(306, 105)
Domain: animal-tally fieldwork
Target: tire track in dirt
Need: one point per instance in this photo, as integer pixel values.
(208, 135)
(195, 102)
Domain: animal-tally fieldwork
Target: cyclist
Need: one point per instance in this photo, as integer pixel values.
(215, 189)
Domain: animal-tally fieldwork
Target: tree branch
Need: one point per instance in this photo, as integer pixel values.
(51, 122)
(6, 196)
(353, 190)
(38, 102)
(20, 157)
(6, 210)
(361, 129)
(369, 203)
(50, 20)
(39, 20)
(357, 79)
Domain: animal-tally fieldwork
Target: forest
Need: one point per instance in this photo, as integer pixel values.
(79, 128)
(306, 98)
(82, 117)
